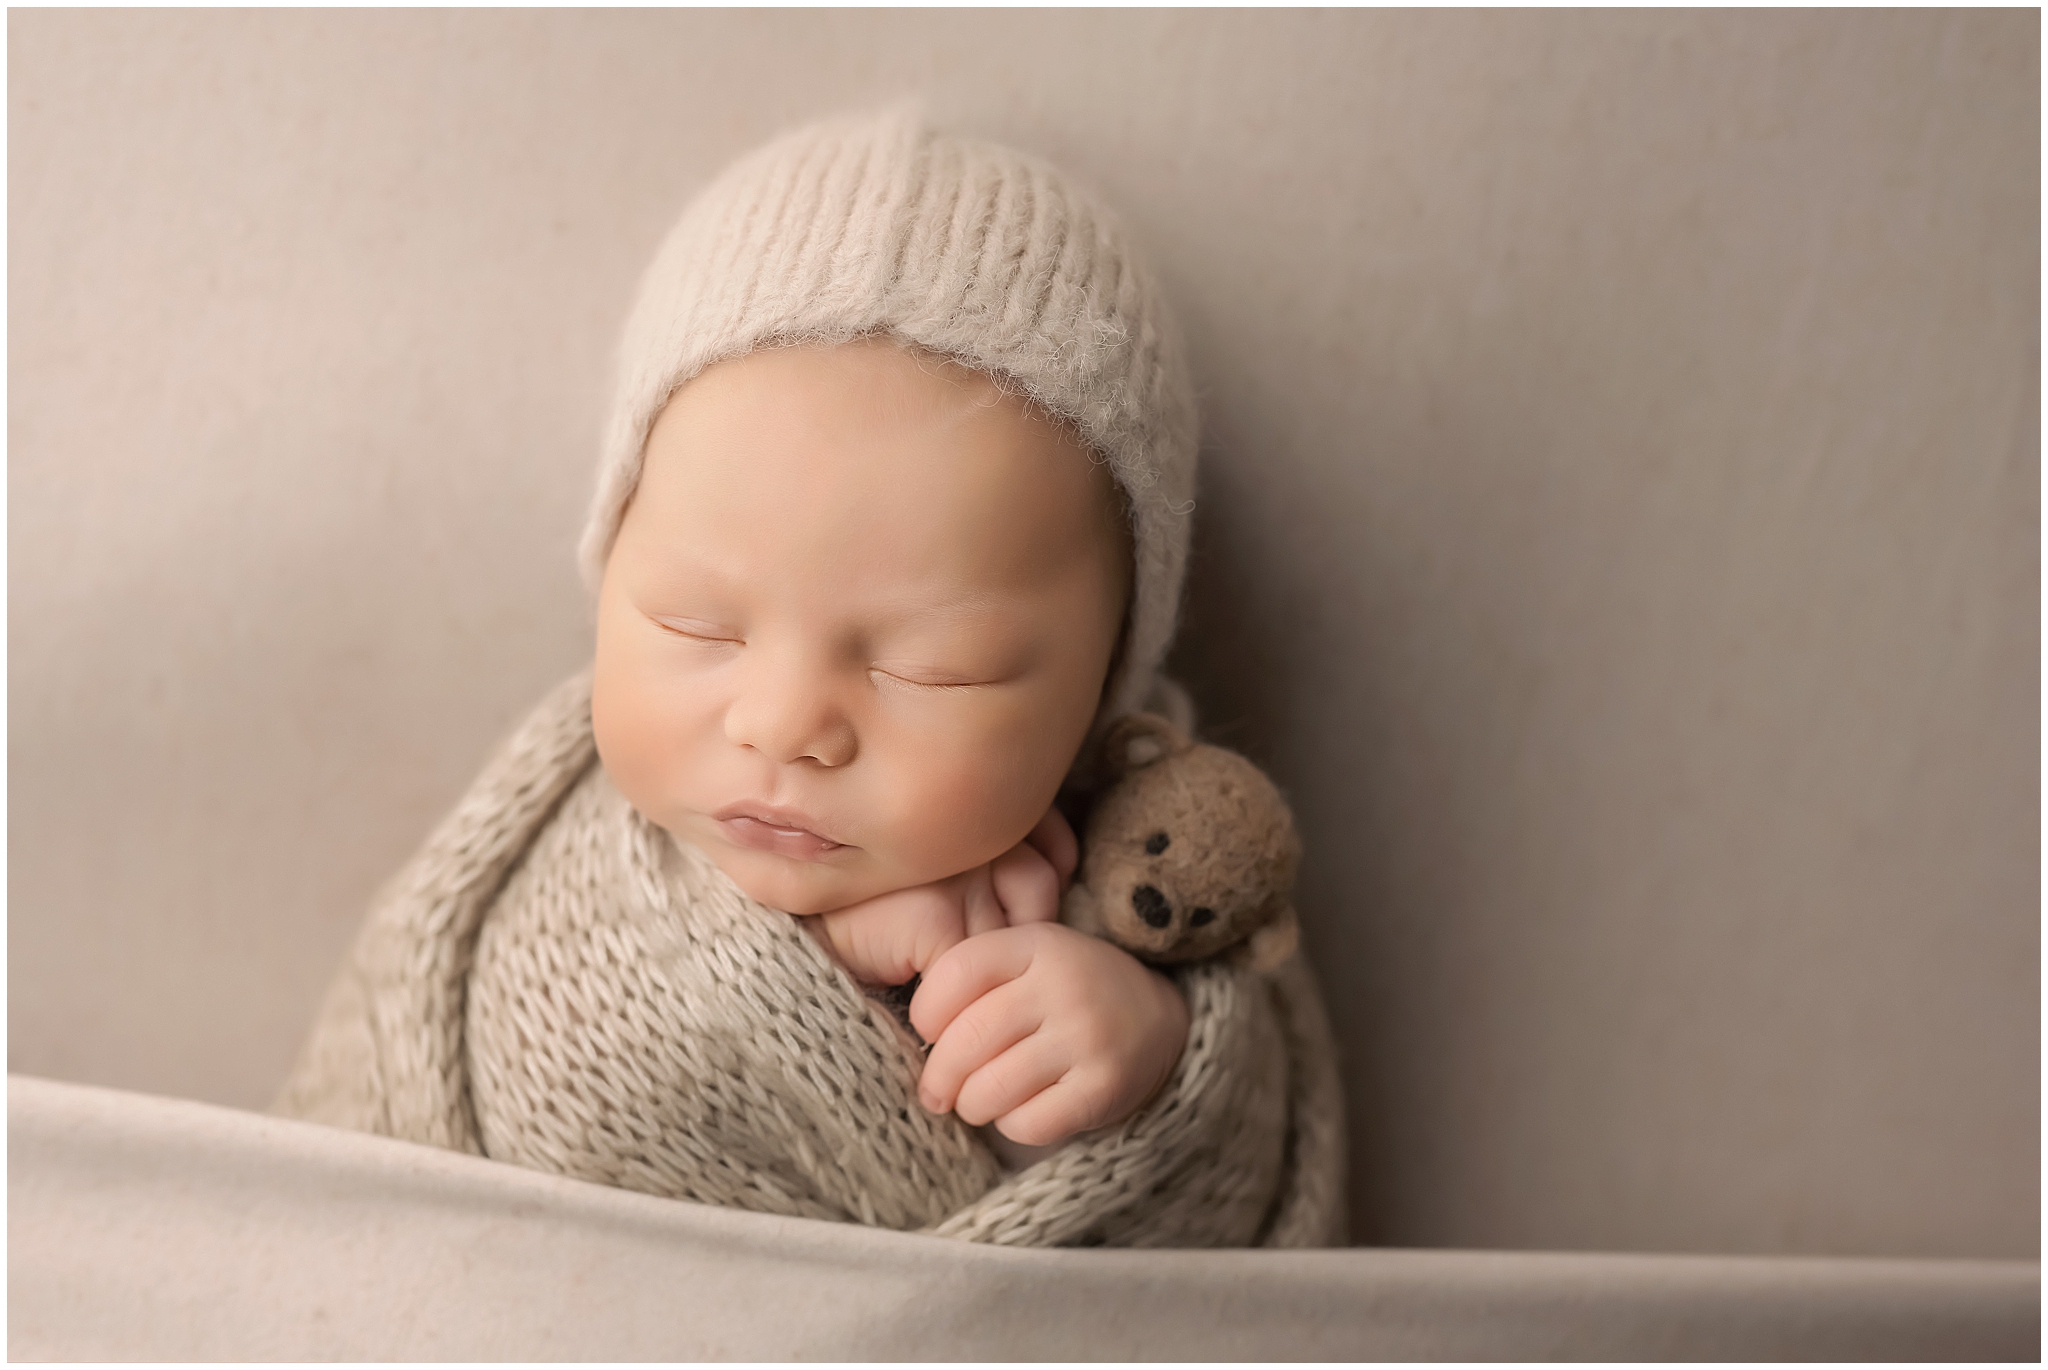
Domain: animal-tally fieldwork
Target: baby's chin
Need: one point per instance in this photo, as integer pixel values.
(793, 886)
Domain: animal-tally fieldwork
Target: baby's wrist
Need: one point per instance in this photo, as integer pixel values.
(1177, 1024)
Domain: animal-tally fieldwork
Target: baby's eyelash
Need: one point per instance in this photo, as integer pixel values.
(700, 632)
(928, 684)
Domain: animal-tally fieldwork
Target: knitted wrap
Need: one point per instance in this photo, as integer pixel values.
(554, 982)
(876, 224)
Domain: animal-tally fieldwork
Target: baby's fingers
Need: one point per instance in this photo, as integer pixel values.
(1007, 1082)
(1055, 841)
(1077, 1101)
(1026, 885)
(981, 904)
(965, 973)
(989, 1028)
(888, 939)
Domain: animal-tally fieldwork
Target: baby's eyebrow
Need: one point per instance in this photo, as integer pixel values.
(960, 609)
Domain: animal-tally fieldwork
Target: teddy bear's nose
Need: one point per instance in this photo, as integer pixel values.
(1151, 906)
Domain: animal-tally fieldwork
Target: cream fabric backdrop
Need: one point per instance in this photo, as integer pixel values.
(1620, 535)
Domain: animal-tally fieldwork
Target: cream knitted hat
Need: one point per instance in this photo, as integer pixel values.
(877, 224)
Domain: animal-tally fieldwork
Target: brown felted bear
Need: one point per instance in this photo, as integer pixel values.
(1189, 852)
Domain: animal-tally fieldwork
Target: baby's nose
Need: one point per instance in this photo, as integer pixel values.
(828, 742)
(1151, 906)
(789, 721)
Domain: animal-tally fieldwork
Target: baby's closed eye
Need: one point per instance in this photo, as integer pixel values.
(927, 677)
(700, 630)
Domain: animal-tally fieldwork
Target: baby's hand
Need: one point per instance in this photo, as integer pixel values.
(888, 939)
(1046, 1032)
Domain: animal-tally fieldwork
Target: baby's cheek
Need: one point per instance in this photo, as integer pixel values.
(966, 811)
(643, 736)
(619, 724)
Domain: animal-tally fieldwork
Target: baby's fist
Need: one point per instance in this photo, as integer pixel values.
(891, 937)
(1045, 1032)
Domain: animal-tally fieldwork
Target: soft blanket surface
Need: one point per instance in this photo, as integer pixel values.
(156, 1229)
(555, 982)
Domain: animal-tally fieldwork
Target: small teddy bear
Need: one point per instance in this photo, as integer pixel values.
(1189, 852)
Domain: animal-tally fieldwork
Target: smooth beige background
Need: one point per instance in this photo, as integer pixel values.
(1620, 534)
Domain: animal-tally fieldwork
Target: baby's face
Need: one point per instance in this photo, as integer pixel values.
(856, 623)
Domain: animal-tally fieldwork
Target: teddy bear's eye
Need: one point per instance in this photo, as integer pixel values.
(1200, 917)
(1156, 843)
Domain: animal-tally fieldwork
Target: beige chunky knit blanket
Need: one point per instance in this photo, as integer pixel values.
(557, 983)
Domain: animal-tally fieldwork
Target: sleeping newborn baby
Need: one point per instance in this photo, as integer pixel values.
(854, 629)
(891, 520)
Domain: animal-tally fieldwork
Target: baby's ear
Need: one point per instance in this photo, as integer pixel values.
(1137, 740)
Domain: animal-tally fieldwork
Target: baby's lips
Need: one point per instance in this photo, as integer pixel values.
(799, 843)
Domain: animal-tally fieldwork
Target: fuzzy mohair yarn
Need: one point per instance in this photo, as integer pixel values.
(556, 983)
(878, 224)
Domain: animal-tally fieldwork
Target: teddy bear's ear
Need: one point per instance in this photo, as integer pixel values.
(1271, 945)
(1137, 740)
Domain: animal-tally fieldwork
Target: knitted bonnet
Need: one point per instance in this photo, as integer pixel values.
(878, 225)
